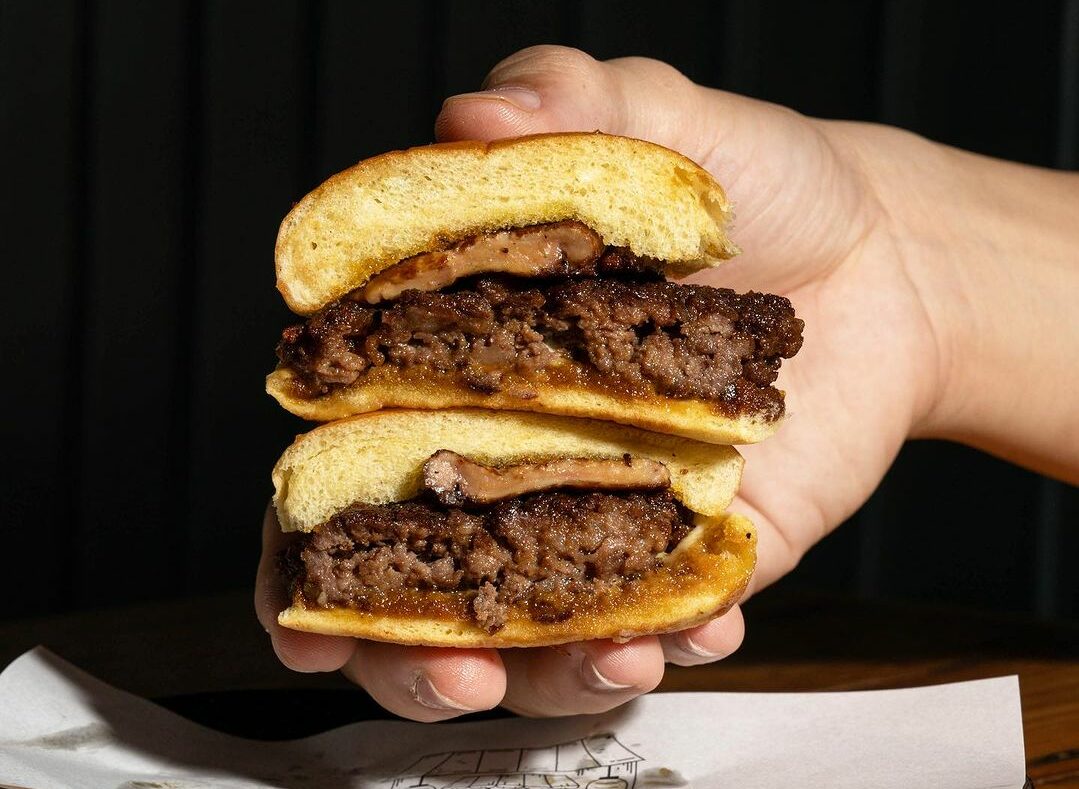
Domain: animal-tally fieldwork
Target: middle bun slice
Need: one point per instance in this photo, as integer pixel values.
(484, 528)
(528, 275)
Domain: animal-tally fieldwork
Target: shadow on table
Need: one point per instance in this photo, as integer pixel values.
(287, 714)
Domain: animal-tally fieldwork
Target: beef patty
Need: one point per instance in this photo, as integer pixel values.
(633, 334)
(546, 553)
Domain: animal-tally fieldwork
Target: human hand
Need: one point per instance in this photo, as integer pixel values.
(837, 217)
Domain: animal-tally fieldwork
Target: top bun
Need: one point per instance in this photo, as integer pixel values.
(633, 193)
(377, 458)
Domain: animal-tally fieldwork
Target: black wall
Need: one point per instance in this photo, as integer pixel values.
(149, 150)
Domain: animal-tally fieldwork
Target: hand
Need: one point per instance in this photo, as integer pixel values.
(866, 230)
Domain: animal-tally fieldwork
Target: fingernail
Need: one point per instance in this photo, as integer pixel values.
(524, 99)
(693, 648)
(595, 680)
(424, 692)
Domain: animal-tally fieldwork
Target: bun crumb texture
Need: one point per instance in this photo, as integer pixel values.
(633, 193)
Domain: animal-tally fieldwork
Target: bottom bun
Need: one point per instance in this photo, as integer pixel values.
(702, 578)
(388, 387)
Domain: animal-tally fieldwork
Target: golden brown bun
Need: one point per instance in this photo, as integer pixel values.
(363, 220)
(707, 574)
(385, 386)
(377, 458)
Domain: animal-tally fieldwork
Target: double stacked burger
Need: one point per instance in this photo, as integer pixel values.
(529, 428)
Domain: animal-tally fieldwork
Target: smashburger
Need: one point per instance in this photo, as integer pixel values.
(527, 274)
(532, 445)
(469, 527)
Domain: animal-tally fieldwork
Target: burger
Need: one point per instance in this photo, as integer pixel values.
(527, 274)
(529, 425)
(475, 527)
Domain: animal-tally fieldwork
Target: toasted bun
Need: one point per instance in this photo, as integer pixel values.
(363, 220)
(385, 386)
(704, 577)
(377, 458)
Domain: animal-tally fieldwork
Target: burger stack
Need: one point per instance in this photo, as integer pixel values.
(528, 428)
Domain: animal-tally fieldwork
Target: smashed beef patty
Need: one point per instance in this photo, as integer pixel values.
(543, 552)
(632, 336)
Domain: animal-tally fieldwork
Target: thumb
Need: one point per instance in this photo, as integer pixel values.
(554, 89)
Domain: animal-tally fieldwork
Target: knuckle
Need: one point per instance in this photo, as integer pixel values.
(540, 60)
(652, 70)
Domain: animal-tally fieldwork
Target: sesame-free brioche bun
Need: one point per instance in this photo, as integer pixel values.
(701, 579)
(377, 458)
(633, 193)
(392, 387)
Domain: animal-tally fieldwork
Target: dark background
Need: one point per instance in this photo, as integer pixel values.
(149, 150)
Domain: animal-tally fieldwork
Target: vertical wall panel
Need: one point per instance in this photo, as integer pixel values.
(1048, 538)
(479, 33)
(988, 81)
(739, 43)
(899, 57)
(1067, 147)
(1066, 595)
(684, 35)
(257, 100)
(40, 87)
(1058, 505)
(819, 58)
(959, 528)
(376, 92)
(127, 488)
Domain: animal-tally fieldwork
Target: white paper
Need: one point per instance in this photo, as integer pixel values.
(59, 727)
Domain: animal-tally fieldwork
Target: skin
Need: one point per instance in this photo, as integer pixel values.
(921, 272)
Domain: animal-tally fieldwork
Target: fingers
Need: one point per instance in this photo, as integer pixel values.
(706, 643)
(583, 678)
(299, 651)
(426, 683)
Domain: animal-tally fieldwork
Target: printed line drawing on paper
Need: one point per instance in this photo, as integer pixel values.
(596, 762)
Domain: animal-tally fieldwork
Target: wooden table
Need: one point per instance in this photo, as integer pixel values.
(208, 659)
